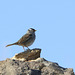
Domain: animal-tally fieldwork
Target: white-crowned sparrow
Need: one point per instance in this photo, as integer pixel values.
(26, 40)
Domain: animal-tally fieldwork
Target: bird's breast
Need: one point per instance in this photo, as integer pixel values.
(30, 41)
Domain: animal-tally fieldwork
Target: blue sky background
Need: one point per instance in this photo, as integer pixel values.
(54, 21)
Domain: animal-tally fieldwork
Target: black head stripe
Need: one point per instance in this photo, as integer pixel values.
(32, 29)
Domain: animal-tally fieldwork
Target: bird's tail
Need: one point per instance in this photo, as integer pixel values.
(12, 44)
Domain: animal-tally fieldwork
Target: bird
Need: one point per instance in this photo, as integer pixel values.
(26, 40)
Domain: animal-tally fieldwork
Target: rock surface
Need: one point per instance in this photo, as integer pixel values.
(39, 66)
(28, 55)
(30, 63)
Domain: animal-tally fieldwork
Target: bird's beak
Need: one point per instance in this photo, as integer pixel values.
(35, 30)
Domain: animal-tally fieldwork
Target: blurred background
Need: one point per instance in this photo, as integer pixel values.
(54, 21)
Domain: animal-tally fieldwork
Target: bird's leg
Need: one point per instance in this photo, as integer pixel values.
(28, 48)
(23, 48)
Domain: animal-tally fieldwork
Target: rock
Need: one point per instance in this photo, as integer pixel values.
(39, 66)
(28, 55)
(30, 63)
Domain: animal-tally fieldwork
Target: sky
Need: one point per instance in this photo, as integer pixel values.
(54, 21)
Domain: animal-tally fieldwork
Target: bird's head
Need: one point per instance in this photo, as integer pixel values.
(31, 30)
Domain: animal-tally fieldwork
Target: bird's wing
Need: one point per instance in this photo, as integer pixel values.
(24, 38)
